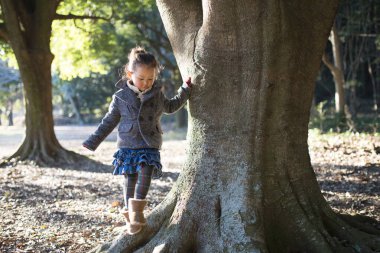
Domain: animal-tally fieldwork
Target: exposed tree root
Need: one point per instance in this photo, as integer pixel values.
(352, 236)
(172, 237)
(171, 229)
(39, 156)
(363, 223)
(345, 233)
(156, 220)
(321, 229)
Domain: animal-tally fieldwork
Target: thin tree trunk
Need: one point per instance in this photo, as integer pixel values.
(337, 72)
(341, 110)
(248, 184)
(10, 112)
(339, 77)
(76, 109)
(373, 82)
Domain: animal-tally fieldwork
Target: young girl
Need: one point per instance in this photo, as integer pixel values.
(137, 107)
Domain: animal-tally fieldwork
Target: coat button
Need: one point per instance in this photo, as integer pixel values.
(151, 104)
(152, 133)
(141, 118)
(150, 118)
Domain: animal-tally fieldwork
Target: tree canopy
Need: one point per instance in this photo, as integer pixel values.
(88, 36)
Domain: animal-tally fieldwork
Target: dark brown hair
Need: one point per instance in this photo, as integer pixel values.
(139, 56)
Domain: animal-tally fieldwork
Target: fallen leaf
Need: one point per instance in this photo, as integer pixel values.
(116, 204)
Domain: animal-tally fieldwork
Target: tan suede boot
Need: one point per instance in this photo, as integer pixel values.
(131, 228)
(136, 211)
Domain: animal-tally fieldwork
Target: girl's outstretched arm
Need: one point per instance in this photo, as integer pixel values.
(109, 122)
(174, 104)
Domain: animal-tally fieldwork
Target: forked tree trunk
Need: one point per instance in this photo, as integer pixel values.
(337, 71)
(248, 185)
(28, 25)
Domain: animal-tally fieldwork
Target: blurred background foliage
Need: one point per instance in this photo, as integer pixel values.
(90, 55)
(357, 28)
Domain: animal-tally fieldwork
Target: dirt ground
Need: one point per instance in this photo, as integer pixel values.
(73, 210)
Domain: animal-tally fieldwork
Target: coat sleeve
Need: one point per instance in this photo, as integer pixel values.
(174, 104)
(109, 122)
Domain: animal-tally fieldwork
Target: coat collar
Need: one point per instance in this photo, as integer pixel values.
(127, 95)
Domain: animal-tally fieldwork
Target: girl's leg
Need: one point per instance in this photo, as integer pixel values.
(143, 182)
(129, 191)
(129, 186)
(137, 204)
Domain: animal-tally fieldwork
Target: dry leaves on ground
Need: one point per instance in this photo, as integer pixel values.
(56, 210)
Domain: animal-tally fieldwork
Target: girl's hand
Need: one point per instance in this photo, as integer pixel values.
(188, 82)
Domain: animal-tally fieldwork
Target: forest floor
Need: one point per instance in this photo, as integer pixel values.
(75, 209)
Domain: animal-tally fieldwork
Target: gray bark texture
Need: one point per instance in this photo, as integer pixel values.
(248, 184)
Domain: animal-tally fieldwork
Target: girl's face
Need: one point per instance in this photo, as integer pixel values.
(143, 77)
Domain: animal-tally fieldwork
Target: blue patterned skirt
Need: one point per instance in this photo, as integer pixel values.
(130, 161)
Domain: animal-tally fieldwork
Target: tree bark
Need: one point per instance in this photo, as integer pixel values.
(248, 184)
(28, 25)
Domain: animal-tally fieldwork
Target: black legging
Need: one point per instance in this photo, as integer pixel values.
(143, 179)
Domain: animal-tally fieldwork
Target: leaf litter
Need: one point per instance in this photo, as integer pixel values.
(63, 210)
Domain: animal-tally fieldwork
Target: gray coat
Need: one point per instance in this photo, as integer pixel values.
(139, 119)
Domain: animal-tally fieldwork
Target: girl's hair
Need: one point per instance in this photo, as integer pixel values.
(139, 56)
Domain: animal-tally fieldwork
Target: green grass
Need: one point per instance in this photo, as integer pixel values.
(333, 123)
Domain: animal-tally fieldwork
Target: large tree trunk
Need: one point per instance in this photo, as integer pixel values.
(28, 24)
(248, 185)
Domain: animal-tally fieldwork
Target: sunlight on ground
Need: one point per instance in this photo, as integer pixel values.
(72, 210)
(71, 137)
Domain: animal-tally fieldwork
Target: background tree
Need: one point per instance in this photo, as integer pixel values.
(336, 68)
(357, 34)
(26, 26)
(9, 91)
(248, 185)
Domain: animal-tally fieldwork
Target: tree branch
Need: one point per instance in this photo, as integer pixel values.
(13, 25)
(328, 63)
(73, 16)
(157, 48)
(57, 3)
(24, 15)
(157, 43)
